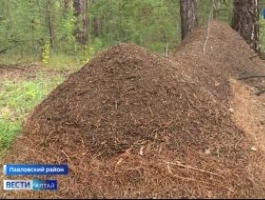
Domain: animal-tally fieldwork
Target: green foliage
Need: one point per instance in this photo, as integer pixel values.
(21, 97)
(24, 26)
(8, 130)
(150, 23)
(46, 52)
(222, 10)
(64, 62)
(154, 24)
(85, 53)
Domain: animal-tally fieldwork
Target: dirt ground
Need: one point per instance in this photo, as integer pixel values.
(28, 71)
(249, 111)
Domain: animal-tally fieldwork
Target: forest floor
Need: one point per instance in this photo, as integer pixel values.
(29, 71)
(133, 124)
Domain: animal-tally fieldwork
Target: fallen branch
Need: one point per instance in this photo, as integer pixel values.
(208, 27)
(251, 76)
(260, 55)
(253, 56)
(192, 168)
(260, 92)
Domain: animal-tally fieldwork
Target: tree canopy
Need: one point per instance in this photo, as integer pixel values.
(40, 28)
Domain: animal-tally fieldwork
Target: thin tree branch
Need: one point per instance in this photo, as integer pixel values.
(260, 92)
(208, 27)
(251, 76)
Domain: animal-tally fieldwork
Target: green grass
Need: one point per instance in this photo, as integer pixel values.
(8, 132)
(64, 62)
(17, 100)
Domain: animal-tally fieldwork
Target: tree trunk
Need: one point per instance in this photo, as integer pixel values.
(50, 19)
(80, 12)
(246, 21)
(97, 26)
(189, 17)
(66, 8)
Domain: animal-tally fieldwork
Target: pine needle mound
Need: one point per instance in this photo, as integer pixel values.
(225, 47)
(132, 124)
